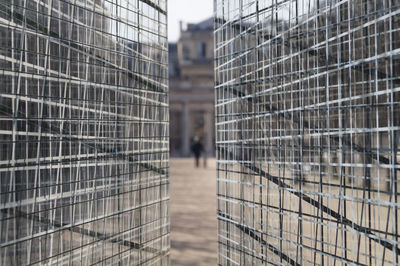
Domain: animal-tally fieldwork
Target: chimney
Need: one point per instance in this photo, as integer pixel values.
(181, 25)
(190, 26)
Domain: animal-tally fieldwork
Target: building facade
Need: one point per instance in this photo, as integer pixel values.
(308, 130)
(84, 132)
(192, 89)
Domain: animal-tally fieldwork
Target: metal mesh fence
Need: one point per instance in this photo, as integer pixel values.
(308, 128)
(83, 132)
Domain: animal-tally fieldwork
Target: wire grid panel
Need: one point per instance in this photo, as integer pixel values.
(308, 128)
(84, 132)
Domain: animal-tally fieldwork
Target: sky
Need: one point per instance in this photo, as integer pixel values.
(189, 11)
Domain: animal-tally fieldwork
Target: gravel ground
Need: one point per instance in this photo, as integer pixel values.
(193, 213)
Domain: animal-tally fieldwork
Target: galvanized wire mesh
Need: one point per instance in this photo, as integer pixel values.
(83, 132)
(308, 128)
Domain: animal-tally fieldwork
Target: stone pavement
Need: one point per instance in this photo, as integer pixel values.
(193, 213)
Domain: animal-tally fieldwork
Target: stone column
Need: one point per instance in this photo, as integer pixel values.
(208, 145)
(185, 130)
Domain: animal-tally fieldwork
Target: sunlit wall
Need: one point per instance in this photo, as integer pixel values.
(308, 128)
(84, 132)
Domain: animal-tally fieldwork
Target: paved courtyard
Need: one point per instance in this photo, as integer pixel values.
(193, 213)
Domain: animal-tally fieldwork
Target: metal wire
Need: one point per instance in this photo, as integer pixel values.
(84, 132)
(308, 128)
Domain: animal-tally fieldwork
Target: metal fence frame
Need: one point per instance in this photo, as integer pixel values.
(84, 140)
(308, 128)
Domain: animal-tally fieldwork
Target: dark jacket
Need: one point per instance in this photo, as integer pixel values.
(197, 148)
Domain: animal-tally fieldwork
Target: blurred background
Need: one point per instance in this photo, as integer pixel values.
(192, 133)
(191, 83)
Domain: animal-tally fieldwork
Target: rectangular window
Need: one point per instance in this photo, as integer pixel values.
(202, 50)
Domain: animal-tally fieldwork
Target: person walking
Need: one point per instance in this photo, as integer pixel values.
(197, 149)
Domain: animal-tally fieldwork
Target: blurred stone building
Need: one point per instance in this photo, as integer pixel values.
(191, 88)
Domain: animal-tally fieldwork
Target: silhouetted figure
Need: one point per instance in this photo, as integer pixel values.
(197, 149)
